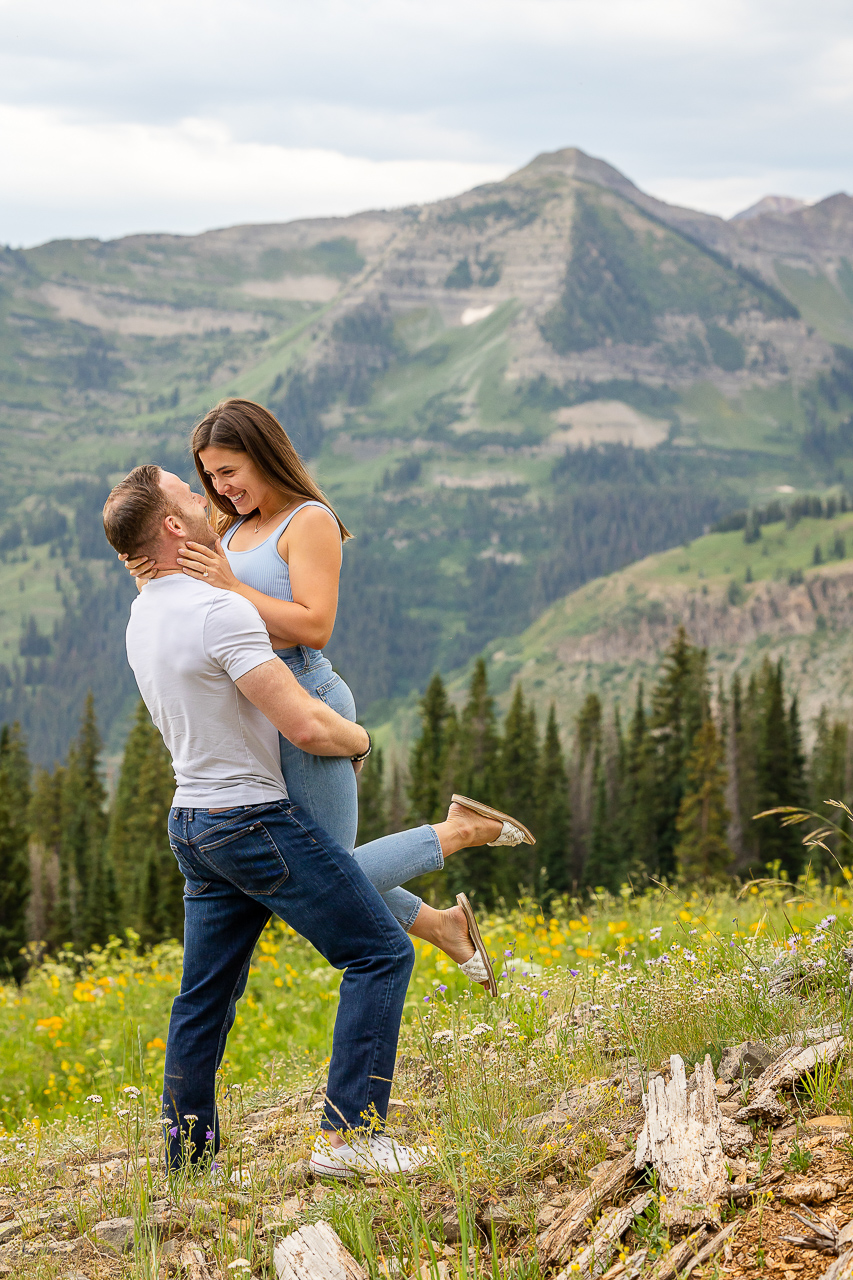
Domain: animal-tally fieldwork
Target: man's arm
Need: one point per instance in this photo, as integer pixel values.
(305, 721)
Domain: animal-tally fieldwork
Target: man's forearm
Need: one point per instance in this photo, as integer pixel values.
(307, 722)
(330, 734)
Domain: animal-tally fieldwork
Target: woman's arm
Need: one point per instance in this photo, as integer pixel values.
(311, 545)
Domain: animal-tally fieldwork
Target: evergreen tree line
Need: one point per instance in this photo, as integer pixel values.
(668, 792)
(73, 868)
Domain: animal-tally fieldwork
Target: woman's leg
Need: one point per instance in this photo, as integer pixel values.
(326, 789)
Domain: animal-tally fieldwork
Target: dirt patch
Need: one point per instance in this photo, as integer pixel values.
(608, 422)
(295, 288)
(117, 314)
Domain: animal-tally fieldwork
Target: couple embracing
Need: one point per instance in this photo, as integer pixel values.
(238, 594)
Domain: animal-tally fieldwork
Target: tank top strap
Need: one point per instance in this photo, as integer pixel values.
(229, 533)
(311, 503)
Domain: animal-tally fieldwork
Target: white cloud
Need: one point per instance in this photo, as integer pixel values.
(194, 113)
(100, 179)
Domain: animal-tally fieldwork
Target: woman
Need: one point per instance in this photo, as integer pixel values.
(280, 547)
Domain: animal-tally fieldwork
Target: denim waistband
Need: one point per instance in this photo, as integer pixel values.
(300, 658)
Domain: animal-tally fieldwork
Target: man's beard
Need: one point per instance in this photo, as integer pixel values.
(198, 528)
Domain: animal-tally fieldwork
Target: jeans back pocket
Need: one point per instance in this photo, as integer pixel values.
(244, 854)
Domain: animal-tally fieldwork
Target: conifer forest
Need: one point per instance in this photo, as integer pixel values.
(668, 791)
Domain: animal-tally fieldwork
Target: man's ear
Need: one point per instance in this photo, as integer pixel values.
(174, 526)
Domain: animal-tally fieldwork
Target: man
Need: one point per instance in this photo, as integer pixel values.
(219, 696)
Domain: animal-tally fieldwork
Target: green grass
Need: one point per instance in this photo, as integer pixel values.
(636, 976)
(821, 304)
(96, 1023)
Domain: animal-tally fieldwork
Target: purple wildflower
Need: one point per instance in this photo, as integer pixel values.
(209, 1135)
(442, 988)
(173, 1132)
(574, 972)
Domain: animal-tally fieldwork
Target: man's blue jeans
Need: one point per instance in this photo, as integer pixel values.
(241, 866)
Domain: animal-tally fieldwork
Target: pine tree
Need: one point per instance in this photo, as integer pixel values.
(517, 767)
(582, 780)
(88, 908)
(46, 829)
(149, 880)
(603, 867)
(428, 756)
(14, 851)
(472, 771)
(778, 769)
(828, 769)
(637, 816)
(372, 813)
(744, 754)
(702, 852)
(397, 803)
(552, 826)
(478, 740)
(679, 708)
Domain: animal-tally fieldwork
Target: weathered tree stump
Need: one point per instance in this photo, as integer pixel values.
(682, 1141)
(315, 1252)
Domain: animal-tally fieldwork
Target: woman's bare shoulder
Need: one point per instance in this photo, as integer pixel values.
(316, 526)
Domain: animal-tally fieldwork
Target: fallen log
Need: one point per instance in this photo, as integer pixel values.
(681, 1139)
(630, 1269)
(682, 1253)
(571, 1225)
(792, 1064)
(315, 1252)
(594, 1260)
(840, 1269)
(711, 1249)
(194, 1263)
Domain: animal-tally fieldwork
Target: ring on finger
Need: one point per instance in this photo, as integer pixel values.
(205, 574)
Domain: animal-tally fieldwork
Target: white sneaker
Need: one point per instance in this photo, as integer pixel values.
(377, 1154)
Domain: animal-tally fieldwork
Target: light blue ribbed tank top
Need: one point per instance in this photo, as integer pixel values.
(262, 567)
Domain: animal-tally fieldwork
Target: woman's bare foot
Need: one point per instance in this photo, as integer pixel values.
(447, 930)
(465, 829)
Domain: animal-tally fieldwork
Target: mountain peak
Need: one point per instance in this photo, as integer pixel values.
(769, 204)
(571, 162)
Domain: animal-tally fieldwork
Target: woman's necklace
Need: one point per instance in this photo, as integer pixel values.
(260, 524)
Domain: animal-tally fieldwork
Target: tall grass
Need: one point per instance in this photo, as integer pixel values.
(581, 992)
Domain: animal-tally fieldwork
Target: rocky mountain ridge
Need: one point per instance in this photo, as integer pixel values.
(506, 393)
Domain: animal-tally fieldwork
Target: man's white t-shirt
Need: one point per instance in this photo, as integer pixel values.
(188, 643)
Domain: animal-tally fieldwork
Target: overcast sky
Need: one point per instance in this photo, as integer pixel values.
(187, 114)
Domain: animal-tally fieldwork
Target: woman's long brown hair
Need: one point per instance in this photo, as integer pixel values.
(249, 428)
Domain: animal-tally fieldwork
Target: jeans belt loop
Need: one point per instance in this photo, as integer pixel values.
(190, 815)
(306, 661)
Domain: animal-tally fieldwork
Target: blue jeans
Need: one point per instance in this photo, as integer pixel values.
(325, 788)
(241, 866)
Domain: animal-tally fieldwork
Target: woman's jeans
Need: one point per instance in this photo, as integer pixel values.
(241, 866)
(325, 788)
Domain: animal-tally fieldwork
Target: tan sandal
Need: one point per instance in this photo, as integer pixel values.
(512, 831)
(479, 967)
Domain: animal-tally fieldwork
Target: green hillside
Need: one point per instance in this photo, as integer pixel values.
(742, 599)
(508, 393)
